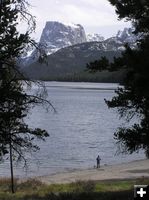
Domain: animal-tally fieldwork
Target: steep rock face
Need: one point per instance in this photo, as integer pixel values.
(57, 35)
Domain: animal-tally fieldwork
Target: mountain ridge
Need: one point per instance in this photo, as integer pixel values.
(57, 35)
(67, 60)
(70, 60)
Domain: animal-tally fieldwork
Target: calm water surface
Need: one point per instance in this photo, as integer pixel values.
(82, 128)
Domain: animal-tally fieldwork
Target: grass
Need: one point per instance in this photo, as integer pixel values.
(34, 189)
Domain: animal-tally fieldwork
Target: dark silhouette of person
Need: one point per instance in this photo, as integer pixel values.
(98, 161)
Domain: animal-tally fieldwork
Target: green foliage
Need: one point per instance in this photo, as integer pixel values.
(132, 101)
(14, 107)
(9, 12)
(135, 11)
(104, 190)
(15, 102)
(102, 77)
(83, 186)
(16, 137)
(70, 62)
(98, 65)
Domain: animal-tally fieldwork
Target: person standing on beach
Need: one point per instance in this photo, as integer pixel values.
(98, 161)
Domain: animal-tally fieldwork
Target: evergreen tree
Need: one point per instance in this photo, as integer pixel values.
(16, 137)
(133, 99)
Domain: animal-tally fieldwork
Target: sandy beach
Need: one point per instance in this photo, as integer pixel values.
(131, 170)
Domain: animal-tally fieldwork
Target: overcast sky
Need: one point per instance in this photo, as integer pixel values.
(96, 16)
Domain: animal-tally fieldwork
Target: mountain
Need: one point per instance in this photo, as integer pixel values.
(58, 35)
(72, 60)
(94, 37)
(69, 50)
(55, 36)
(127, 36)
(123, 37)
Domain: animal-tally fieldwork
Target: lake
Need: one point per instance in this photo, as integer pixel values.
(81, 129)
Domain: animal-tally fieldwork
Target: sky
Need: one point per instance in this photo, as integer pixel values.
(96, 16)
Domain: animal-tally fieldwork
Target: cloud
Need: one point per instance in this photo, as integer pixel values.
(89, 13)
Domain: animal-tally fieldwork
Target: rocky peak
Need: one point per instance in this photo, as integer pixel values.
(127, 36)
(58, 35)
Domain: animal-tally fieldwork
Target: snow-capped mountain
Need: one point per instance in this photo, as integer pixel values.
(71, 60)
(58, 35)
(55, 36)
(123, 37)
(127, 36)
(75, 51)
(94, 37)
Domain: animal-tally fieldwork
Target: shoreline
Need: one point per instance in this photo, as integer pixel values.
(131, 170)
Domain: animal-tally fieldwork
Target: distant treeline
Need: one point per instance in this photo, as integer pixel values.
(104, 77)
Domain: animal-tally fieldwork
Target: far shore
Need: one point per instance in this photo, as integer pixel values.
(131, 170)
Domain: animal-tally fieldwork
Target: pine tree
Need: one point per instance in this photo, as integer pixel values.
(16, 137)
(132, 101)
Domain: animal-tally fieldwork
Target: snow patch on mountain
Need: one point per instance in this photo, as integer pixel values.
(127, 36)
(58, 35)
(94, 37)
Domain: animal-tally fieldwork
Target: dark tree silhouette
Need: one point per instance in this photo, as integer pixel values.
(16, 137)
(133, 99)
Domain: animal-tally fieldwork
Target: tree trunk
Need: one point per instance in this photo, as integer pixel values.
(11, 169)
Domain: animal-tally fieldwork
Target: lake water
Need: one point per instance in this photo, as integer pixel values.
(81, 129)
